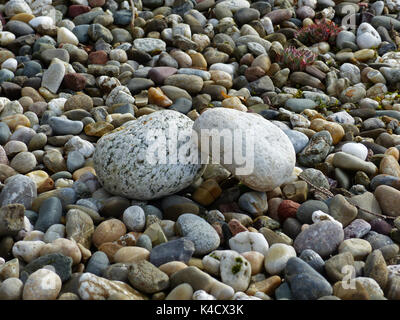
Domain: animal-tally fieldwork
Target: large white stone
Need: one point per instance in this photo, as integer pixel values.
(277, 256)
(27, 250)
(10, 64)
(150, 158)
(367, 36)
(235, 270)
(13, 7)
(41, 21)
(356, 149)
(257, 152)
(66, 36)
(6, 38)
(350, 71)
(249, 241)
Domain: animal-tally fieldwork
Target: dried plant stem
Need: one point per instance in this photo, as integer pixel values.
(132, 24)
(330, 195)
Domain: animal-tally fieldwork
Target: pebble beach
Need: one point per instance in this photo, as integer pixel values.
(112, 185)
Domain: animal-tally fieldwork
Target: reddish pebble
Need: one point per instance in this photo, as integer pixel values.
(77, 9)
(287, 209)
(97, 3)
(273, 205)
(159, 74)
(218, 228)
(98, 57)
(3, 21)
(247, 59)
(254, 73)
(380, 226)
(74, 81)
(236, 227)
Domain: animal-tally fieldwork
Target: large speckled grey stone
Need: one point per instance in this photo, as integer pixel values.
(126, 164)
(199, 231)
(18, 189)
(267, 156)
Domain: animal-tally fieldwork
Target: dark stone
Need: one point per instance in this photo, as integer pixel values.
(114, 207)
(174, 250)
(306, 209)
(98, 263)
(305, 283)
(61, 263)
(380, 226)
(50, 213)
(377, 240)
(313, 259)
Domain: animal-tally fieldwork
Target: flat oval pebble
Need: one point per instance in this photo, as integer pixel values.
(330, 235)
(196, 229)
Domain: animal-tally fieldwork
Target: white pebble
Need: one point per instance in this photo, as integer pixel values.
(249, 241)
(27, 250)
(367, 36)
(11, 289)
(277, 256)
(6, 38)
(118, 55)
(57, 105)
(356, 149)
(319, 215)
(242, 296)
(41, 21)
(10, 64)
(66, 36)
(202, 295)
(134, 218)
